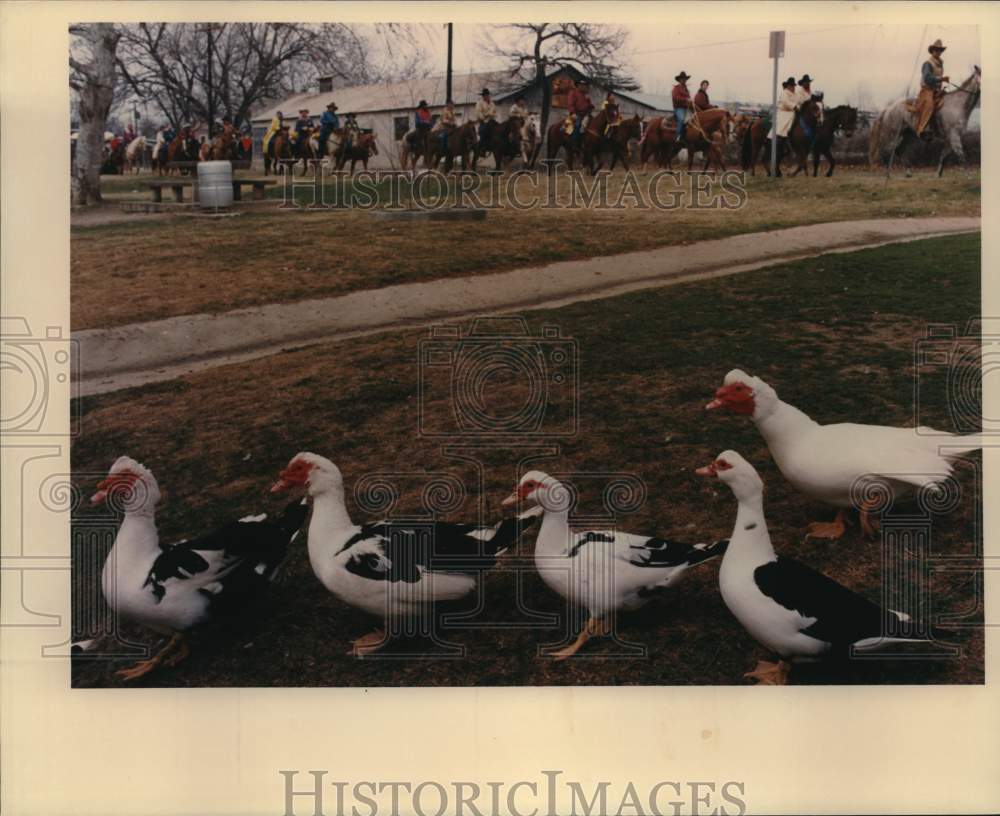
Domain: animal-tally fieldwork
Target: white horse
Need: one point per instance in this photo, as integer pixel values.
(531, 140)
(893, 129)
(134, 154)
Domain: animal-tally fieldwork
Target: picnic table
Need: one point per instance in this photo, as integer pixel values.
(177, 185)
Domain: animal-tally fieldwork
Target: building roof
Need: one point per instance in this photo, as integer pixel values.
(659, 102)
(465, 90)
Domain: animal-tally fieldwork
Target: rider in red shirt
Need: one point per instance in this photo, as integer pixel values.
(682, 102)
(579, 105)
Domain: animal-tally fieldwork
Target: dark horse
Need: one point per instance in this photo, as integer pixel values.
(811, 114)
(599, 137)
(559, 138)
(461, 143)
(183, 148)
(361, 149)
(842, 117)
(279, 149)
(503, 140)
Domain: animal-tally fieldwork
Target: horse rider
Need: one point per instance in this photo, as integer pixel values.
(351, 130)
(682, 103)
(276, 124)
(701, 101)
(519, 110)
(803, 94)
(787, 103)
(129, 134)
(445, 124)
(328, 123)
(610, 107)
(486, 112)
(423, 122)
(161, 141)
(931, 94)
(579, 106)
(300, 133)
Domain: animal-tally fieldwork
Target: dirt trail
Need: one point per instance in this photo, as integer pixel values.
(140, 353)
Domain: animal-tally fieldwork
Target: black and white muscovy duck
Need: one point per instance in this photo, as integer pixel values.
(828, 462)
(174, 588)
(390, 569)
(796, 612)
(601, 570)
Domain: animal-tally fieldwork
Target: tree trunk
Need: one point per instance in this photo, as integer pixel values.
(546, 105)
(95, 84)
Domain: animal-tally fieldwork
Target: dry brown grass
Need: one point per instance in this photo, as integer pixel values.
(144, 271)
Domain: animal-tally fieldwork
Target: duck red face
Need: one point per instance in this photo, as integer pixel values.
(121, 483)
(715, 468)
(522, 491)
(295, 475)
(737, 397)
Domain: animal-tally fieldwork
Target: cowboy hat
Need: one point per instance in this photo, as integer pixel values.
(485, 92)
(331, 106)
(303, 110)
(787, 82)
(422, 103)
(805, 79)
(936, 45)
(683, 76)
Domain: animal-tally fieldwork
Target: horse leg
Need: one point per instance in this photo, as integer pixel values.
(829, 157)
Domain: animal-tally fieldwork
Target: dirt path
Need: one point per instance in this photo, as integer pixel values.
(140, 353)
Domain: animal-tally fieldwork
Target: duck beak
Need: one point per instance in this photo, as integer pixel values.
(510, 500)
(708, 470)
(280, 485)
(714, 405)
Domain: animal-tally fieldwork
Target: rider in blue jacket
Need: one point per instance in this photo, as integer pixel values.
(328, 123)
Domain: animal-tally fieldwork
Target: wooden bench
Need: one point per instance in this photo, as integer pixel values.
(259, 187)
(176, 185)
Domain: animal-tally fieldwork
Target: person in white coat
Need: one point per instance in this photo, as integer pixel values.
(787, 103)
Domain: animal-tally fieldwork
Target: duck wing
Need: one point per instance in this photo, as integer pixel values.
(230, 563)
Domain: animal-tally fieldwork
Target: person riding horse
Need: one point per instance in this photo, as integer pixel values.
(803, 94)
(519, 109)
(701, 100)
(931, 94)
(579, 106)
(328, 123)
(787, 103)
(444, 126)
(682, 103)
(300, 133)
(276, 124)
(351, 132)
(486, 115)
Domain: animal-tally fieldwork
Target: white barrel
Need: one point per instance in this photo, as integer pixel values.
(215, 184)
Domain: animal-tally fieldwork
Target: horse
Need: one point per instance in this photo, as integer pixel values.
(305, 149)
(223, 146)
(412, 147)
(531, 140)
(461, 143)
(700, 135)
(841, 118)
(182, 148)
(755, 130)
(558, 137)
(503, 140)
(809, 113)
(657, 142)
(893, 129)
(279, 149)
(113, 162)
(363, 147)
(134, 154)
(599, 137)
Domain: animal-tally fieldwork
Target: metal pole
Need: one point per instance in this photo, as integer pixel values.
(774, 120)
(447, 87)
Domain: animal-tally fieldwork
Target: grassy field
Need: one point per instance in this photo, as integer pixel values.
(835, 335)
(186, 265)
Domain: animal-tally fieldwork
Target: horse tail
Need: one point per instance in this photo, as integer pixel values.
(746, 149)
(874, 139)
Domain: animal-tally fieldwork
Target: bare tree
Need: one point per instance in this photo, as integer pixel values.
(197, 71)
(533, 50)
(92, 76)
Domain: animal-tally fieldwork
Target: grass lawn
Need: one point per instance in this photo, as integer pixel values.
(186, 265)
(834, 335)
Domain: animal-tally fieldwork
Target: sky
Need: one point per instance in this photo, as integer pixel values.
(877, 62)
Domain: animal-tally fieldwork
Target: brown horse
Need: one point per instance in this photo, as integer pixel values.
(279, 149)
(304, 149)
(658, 142)
(705, 132)
(412, 147)
(559, 138)
(502, 139)
(461, 143)
(600, 137)
(183, 148)
(223, 146)
(363, 147)
(754, 135)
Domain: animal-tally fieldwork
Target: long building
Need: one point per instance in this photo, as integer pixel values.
(387, 110)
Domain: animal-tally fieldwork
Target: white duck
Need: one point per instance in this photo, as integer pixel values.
(600, 570)
(174, 588)
(390, 569)
(796, 612)
(828, 462)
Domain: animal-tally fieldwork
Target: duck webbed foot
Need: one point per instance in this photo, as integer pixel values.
(831, 530)
(771, 674)
(164, 657)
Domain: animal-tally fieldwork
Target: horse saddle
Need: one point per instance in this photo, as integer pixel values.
(568, 124)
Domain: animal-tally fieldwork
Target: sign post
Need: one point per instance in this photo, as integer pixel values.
(775, 51)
